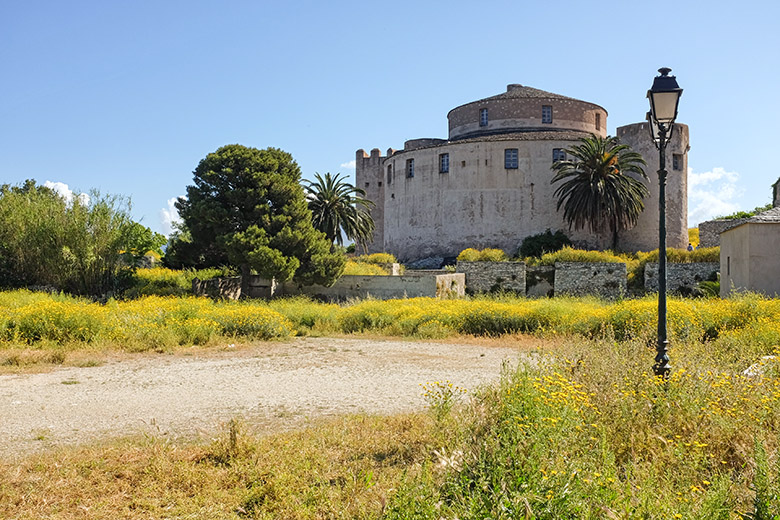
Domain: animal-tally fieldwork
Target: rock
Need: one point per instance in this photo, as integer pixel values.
(758, 369)
(431, 262)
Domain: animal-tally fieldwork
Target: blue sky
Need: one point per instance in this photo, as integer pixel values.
(127, 97)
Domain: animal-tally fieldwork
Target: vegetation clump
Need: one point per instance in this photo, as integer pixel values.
(569, 254)
(601, 185)
(86, 245)
(746, 214)
(547, 242)
(484, 255)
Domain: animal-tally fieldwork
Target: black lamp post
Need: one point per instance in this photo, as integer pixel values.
(664, 97)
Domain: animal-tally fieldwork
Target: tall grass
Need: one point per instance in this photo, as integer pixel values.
(29, 318)
(152, 322)
(591, 433)
(161, 281)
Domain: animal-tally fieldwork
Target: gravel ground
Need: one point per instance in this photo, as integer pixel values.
(273, 386)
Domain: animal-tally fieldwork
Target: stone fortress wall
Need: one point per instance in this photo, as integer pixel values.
(426, 210)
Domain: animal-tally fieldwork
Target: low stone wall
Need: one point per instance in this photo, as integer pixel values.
(493, 276)
(607, 280)
(709, 231)
(680, 275)
(258, 287)
(540, 281)
(450, 285)
(218, 288)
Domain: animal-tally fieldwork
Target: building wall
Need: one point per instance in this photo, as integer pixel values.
(369, 178)
(680, 275)
(485, 277)
(644, 236)
(709, 231)
(608, 280)
(508, 113)
(478, 203)
(749, 259)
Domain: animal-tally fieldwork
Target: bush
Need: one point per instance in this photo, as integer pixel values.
(161, 281)
(569, 254)
(84, 245)
(547, 242)
(486, 255)
(354, 268)
(377, 258)
(636, 268)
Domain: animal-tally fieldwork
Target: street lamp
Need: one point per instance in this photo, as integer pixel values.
(664, 97)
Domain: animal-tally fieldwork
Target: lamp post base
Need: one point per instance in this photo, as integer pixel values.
(662, 367)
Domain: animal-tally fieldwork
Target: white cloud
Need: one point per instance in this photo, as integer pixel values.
(66, 193)
(712, 194)
(349, 165)
(169, 216)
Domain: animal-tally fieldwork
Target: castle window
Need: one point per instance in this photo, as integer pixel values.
(367, 185)
(510, 158)
(483, 117)
(677, 161)
(598, 121)
(389, 174)
(410, 168)
(444, 163)
(546, 113)
(558, 154)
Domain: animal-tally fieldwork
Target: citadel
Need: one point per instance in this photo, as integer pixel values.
(488, 183)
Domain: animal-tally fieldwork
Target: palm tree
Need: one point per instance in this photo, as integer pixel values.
(338, 206)
(602, 187)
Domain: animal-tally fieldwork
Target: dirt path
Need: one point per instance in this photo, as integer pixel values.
(274, 386)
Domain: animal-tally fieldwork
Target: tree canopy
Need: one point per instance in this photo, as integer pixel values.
(338, 206)
(72, 245)
(601, 185)
(247, 208)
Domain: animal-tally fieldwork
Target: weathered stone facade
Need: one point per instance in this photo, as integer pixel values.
(680, 276)
(488, 184)
(644, 236)
(607, 280)
(485, 277)
(709, 231)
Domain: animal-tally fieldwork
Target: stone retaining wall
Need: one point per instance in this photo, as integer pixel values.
(450, 285)
(493, 276)
(680, 275)
(709, 232)
(218, 288)
(607, 280)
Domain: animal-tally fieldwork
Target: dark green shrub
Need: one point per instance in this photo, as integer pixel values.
(547, 242)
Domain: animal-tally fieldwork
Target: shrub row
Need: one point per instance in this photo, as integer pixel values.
(153, 321)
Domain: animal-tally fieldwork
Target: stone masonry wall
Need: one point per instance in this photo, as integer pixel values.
(607, 280)
(493, 276)
(680, 275)
(709, 231)
(218, 288)
(384, 287)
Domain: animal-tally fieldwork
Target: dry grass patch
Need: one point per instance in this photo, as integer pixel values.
(342, 469)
